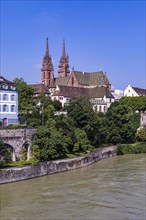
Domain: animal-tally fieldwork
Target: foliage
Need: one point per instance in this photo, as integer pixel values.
(35, 152)
(23, 153)
(82, 144)
(138, 147)
(57, 105)
(5, 152)
(16, 163)
(121, 124)
(25, 96)
(135, 103)
(141, 135)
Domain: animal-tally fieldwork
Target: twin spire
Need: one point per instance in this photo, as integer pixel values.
(48, 69)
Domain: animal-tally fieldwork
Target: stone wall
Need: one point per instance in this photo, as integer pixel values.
(50, 167)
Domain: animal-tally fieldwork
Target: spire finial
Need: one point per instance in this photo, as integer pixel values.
(47, 48)
(63, 50)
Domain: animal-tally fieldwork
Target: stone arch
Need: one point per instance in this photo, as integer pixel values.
(11, 150)
(26, 145)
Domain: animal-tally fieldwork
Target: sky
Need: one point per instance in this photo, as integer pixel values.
(99, 35)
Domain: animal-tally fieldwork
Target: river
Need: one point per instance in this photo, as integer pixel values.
(111, 189)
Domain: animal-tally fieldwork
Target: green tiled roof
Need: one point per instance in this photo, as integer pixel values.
(93, 78)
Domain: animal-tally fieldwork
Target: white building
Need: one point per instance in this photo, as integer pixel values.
(117, 94)
(8, 102)
(133, 91)
(100, 97)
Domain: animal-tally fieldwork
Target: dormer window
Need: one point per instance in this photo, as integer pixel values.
(13, 87)
(5, 86)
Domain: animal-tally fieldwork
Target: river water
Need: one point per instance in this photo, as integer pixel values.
(111, 189)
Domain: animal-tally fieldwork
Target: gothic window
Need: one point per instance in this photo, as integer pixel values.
(100, 108)
(5, 97)
(12, 108)
(12, 97)
(104, 109)
(5, 108)
(72, 81)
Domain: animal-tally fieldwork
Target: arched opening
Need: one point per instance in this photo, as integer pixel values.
(25, 153)
(7, 153)
(5, 122)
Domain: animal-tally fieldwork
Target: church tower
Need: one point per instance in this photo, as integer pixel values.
(64, 63)
(47, 68)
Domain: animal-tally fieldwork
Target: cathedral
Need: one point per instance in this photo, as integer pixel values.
(93, 85)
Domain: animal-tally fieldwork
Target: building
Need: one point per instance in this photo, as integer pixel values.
(100, 97)
(8, 102)
(133, 91)
(77, 82)
(118, 94)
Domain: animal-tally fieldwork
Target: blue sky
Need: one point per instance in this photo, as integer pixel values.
(107, 35)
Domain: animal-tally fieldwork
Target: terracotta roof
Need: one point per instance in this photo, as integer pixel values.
(140, 92)
(62, 80)
(38, 88)
(92, 78)
(69, 91)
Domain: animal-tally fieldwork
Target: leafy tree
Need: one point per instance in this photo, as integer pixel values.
(25, 96)
(121, 125)
(52, 142)
(81, 112)
(57, 105)
(82, 144)
(35, 152)
(141, 135)
(5, 152)
(136, 103)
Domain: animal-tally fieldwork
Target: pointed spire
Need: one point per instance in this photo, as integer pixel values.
(47, 48)
(63, 49)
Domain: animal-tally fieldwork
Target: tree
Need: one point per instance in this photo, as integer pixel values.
(25, 96)
(121, 124)
(5, 153)
(82, 144)
(141, 135)
(136, 103)
(81, 112)
(52, 142)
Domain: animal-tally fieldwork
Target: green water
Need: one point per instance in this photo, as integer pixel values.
(111, 189)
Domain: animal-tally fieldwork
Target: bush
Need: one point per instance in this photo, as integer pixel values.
(138, 147)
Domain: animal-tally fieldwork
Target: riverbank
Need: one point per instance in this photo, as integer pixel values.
(49, 167)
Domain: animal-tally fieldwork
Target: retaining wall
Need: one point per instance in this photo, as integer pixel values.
(50, 167)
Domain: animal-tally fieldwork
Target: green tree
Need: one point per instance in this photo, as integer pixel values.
(141, 135)
(25, 96)
(82, 144)
(81, 112)
(5, 152)
(136, 103)
(121, 124)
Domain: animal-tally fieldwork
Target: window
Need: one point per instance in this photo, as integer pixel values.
(100, 108)
(5, 86)
(5, 97)
(12, 108)
(5, 108)
(61, 98)
(13, 87)
(12, 97)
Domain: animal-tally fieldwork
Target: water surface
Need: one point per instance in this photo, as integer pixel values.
(111, 189)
